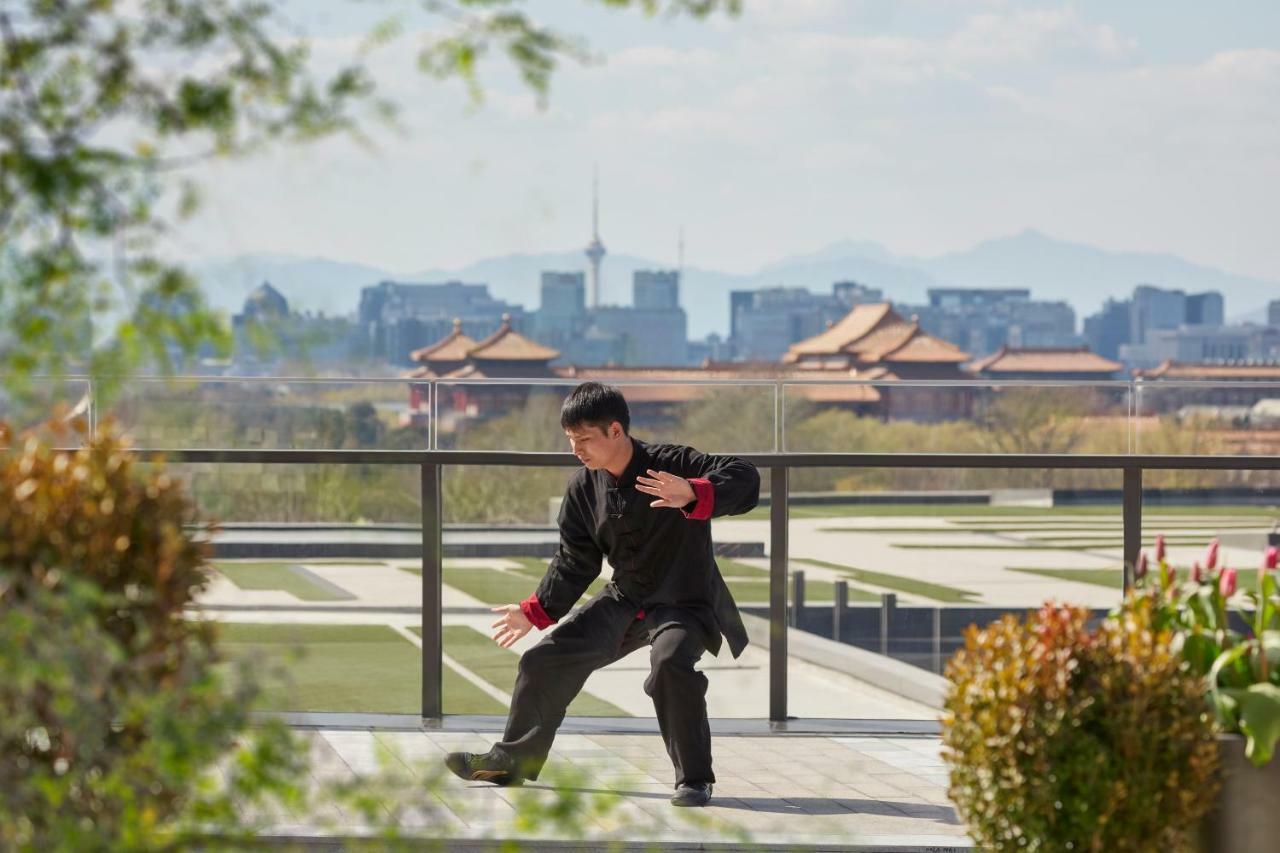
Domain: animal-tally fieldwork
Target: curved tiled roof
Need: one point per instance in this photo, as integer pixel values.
(874, 333)
(1212, 370)
(857, 324)
(507, 344)
(1046, 360)
(925, 348)
(452, 347)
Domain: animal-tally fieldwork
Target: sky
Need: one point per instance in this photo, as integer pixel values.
(924, 125)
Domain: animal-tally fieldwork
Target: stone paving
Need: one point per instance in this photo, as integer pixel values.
(784, 791)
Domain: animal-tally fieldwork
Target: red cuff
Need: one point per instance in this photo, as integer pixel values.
(532, 609)
(705, 499)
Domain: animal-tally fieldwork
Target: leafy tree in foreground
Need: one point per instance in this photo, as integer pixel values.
(104, 106)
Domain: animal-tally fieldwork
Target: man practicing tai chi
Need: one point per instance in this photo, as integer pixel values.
(645, 507)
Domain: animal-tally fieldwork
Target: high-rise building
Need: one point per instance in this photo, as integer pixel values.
(655, 289)
(1155, 308)
(982, 320)
(562, 315)
(1205, 309)
(398, 319)
(1107, 330)
(1273, 313)
(766, 322)
(853, 293)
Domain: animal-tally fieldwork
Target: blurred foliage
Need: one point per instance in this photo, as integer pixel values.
(1062, 737)
(114, 706)
(105, 105)
(122, 725)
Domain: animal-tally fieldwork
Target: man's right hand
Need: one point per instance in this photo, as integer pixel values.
(511, 626)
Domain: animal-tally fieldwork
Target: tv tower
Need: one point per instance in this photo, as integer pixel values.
(595, 249)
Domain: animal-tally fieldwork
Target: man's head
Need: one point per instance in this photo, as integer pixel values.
(597, 421)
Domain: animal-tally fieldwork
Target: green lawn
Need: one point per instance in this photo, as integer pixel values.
(497, 665)
(281, 576)
(960, 512)
(1039, 545)
(897, 583)
(1011, 528)
(352, 668)
(495, 586)
(1113, 579)
(1110, 578)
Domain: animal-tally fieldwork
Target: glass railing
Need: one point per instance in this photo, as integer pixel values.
(886, 564)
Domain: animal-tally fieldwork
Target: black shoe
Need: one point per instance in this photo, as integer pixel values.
(482, 767)
(692, 794)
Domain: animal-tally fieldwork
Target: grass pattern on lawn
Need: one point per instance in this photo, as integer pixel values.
(750, 585)
(897, 583)
(1014, 529)
(1110, 578)
(1041, 545)
(961, 512)
(496, 665)
(346, 668)
(251, 575)
(498, 586)
(1113, 579)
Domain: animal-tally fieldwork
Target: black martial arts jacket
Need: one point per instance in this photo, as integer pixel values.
(660, 556)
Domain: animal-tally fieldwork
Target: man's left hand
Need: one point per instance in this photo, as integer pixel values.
(670, 490)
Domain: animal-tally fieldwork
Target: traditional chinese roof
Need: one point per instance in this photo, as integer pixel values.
(1045, 360)
(507, 344)
(453, 347)
(852, 327)
(1213, 370)
(835, 391)
(872, 334)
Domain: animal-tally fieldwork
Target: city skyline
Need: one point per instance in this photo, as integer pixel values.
(925, 128)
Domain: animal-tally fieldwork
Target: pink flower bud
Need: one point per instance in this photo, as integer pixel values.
(1269, 558)
(1211, 556)
(1173, 575)
(1140, 567)
(1197, 573)
(1160, 550)
(1227, 583)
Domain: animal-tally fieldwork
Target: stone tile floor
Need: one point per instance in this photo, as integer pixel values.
(782, 791)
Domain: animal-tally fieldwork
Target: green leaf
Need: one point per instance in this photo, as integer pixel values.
(1258, 712)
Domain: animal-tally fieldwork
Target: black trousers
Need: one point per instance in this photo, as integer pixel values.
(604, 630)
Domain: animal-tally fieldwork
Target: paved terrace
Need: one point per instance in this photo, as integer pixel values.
(776, 792)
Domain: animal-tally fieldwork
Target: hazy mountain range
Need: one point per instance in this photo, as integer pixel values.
(1054, 269)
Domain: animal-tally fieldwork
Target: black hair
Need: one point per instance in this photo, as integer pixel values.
(595, 404)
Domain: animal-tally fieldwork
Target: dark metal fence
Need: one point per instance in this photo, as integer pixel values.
(779, 466)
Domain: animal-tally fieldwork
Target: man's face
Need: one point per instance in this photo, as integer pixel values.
(596, 447)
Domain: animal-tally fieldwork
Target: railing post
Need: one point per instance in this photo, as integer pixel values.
(937, 640)
(797, 598)
(432, 580)
(1132, 521)
(838, 609)
(888, 601)
(778, 553)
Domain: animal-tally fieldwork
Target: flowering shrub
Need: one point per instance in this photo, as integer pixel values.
(1060, 737)
(1241, 667)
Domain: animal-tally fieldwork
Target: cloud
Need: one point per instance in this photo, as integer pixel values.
(1033, 35)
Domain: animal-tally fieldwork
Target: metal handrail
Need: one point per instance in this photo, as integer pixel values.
(779, 465)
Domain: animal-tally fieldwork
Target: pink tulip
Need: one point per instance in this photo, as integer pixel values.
(1160, 550)
(1227, 583)
(1140, 567)
(1269, 559)
(1197, 573)
(1211, 556)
